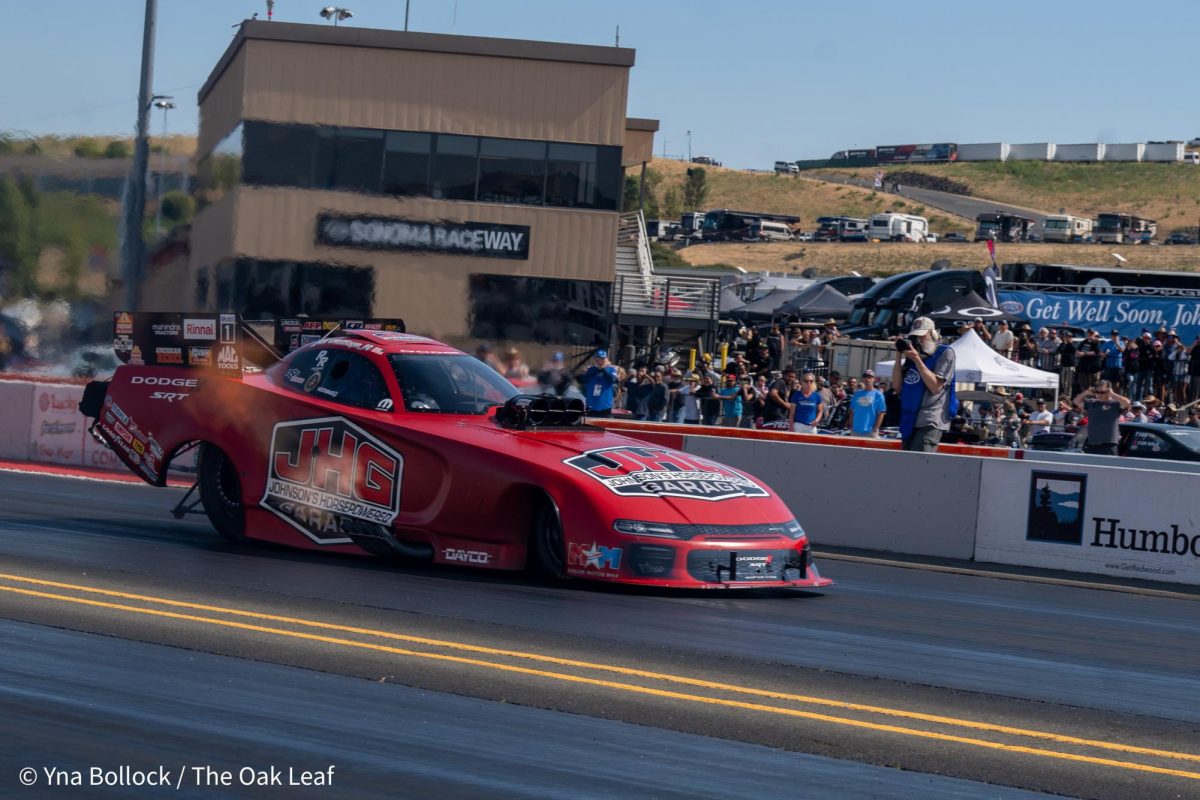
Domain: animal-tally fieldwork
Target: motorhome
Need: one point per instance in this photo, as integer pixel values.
(662, 230)
(1066, 228)
(851, 229)
(892, 227)
(920, 295)
(828, 229)
(1118, 228)
(723, 225)
(1002, 227)
(691, 223)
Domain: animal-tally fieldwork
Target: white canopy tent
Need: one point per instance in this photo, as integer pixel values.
(975, 362)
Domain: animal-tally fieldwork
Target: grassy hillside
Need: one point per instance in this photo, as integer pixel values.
(1169, 193)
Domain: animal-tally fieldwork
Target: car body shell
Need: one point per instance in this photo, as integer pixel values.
(466, 488)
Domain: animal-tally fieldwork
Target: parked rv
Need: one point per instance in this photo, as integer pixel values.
(828, 229)
(723, 225)
(1117, 228)
(893, 227)
(851, 229)
(1002, 227)
(662, 230)
(1066, 228)
(691, 224)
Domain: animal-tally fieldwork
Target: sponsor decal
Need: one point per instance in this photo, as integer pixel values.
(109, 418)
(120, 430)
(322, 360)
(393, 233)
(1056, 503)
(1012, 306)
(135, 356)
(48, 400)
(57, 428)
(327, 392)
(123, 324)
(155, 449)
(1128, 313)
(165, 329)
(634, 471)
(329, 479)
(294, 375)
(312, 382)
(354, 344)
(44, 401)
(455, 554)
(228, 328)
(155, 380)
(170, 397)
(168, 355)
(227, 357)
(200, 356)
(118, 413)
(593, 556)
(203, 329)
(138, 446)
(397, 336)
(384, 405)
(912, 376)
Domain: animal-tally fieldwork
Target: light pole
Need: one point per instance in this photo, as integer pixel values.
(336, 14)
(406, 14)
(689, 135)
(162, 101)
(133, 249)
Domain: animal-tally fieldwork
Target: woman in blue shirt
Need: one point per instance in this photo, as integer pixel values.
(806, 405)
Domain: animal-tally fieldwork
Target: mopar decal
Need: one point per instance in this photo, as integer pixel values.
(635, 471)
(330, 479)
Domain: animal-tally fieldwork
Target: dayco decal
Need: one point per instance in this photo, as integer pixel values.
(651, 471)
(205, 329)
(466, 556)
(330, 479)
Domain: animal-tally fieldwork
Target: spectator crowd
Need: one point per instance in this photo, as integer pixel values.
(779, 380)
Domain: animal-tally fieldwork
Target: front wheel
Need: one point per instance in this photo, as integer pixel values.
(221, 493)
(547, 546)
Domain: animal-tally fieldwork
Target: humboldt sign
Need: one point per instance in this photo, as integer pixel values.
(484, 239)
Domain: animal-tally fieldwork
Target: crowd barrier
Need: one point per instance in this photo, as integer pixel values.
(1126, 518)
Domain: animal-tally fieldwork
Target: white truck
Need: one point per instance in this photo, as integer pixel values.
(1067, 228)
(892, 227)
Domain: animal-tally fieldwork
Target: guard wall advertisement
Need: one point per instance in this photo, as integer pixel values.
(1105, 520)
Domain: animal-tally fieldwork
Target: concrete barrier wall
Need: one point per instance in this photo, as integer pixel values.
(877, 500)
(1086, 518)
(16, 406)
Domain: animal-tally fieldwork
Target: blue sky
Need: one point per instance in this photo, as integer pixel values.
(754, 81)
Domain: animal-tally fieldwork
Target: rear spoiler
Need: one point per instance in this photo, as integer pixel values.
(222, 340)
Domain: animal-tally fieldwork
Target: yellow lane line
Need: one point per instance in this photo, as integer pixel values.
(629, 671)
(615, 685)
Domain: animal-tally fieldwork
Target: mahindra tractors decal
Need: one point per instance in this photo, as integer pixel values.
(330, 479)
(633, 471)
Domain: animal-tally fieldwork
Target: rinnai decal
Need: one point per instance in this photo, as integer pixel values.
(593, 556)
(439, 236)
(330, 479)
(654, 472)
(203, 329)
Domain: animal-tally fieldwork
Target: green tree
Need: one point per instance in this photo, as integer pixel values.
(118, 148)
(87, 148)
(672, 206)
(18, 249)
(632, 193)
(178, 207)
(695, 189)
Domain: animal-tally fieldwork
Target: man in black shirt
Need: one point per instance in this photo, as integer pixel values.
(775, 347)
(1103, 407)
(1089, 357)
(777, 408)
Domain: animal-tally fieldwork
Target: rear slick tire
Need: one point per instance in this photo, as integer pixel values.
(221, 494)
(547, 546)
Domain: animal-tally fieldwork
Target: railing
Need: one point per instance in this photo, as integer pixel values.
(690, 298)
(632, 233)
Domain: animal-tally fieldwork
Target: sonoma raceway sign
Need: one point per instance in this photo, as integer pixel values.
(390, 233)
(1105, 312)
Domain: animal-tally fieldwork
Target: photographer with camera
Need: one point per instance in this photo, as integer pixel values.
(924, 373)
(1103, 408)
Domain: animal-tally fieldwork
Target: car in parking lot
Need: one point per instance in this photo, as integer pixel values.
(1180, 237)
(803, 236)
(954, 236)
(931, 236)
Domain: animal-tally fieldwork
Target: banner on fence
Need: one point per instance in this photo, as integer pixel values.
(1105, 312)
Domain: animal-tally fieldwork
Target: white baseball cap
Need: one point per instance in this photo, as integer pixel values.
(922, 325)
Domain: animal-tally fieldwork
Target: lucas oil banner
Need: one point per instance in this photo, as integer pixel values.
(1106, 312)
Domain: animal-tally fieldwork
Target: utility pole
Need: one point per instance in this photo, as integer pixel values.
(406, 2)
(618, 44)
(162, 101)
(134, 253)
(689, 134)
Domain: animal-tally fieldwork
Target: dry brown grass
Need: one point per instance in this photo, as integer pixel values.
(836, 258)
(799, 196)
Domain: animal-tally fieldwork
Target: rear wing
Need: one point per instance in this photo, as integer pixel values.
(222, 340)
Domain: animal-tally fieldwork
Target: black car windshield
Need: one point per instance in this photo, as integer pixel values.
(449, 384)
(1188, 437)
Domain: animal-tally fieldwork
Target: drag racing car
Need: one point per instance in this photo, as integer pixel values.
(356, 437)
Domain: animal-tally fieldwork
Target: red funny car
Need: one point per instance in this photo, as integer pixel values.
(373, 440)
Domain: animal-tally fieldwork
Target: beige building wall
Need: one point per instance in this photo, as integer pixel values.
(221, 109)
(434, 92)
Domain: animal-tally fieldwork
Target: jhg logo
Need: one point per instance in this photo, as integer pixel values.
(654, 471)
(329, 479)
(593, 556)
